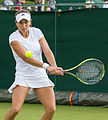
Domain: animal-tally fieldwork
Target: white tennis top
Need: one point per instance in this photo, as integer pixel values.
(26, 74)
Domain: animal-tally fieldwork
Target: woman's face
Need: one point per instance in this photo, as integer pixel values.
(23, 25)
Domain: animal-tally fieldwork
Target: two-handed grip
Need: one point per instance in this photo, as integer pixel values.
(62, 72)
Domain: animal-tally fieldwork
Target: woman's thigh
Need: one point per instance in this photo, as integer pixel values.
(46, 96)
(19, 95)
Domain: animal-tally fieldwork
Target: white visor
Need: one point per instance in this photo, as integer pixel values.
(21, 16)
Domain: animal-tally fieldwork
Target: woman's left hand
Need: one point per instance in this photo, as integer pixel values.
(57, 71)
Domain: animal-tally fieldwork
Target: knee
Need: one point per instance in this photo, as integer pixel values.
(15, 110)
(51, 110)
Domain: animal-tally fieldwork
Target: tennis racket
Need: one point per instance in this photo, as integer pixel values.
(89, 71)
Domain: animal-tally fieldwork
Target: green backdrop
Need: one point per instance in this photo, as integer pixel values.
(70, 1)
(73, 36)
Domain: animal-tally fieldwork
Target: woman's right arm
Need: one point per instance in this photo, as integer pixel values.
(21, 51)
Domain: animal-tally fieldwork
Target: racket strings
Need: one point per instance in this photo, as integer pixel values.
(90, 72)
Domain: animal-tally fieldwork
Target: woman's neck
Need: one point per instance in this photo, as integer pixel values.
(24, 34)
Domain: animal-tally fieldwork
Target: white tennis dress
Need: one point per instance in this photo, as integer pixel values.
(26, 74)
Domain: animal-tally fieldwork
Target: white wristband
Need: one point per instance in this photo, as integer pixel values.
(45, 65)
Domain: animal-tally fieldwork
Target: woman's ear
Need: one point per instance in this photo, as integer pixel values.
(31, 23)
(16, 22)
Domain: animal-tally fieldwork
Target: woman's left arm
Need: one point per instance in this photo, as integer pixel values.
(47, 52)
(50, 56)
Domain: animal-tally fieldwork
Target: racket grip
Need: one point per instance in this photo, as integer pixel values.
(48, 72)
(62, 72)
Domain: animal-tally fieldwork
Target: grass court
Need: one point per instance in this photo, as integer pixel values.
(35, 111)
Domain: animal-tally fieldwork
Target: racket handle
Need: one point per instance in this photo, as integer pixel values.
(48, 72)
(62, 72)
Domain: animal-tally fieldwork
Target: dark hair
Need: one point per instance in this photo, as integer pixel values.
(22, 11)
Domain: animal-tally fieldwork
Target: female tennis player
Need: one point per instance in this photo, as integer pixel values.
(31, 72)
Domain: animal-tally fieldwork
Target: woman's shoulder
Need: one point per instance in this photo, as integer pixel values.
(14, 36)
(15, 33)
(34, 29)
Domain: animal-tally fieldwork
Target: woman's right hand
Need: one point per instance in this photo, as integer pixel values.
(55, 70)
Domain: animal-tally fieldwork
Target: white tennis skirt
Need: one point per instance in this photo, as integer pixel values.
(31, 82)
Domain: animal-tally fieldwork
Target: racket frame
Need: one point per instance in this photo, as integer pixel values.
(67, 70)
